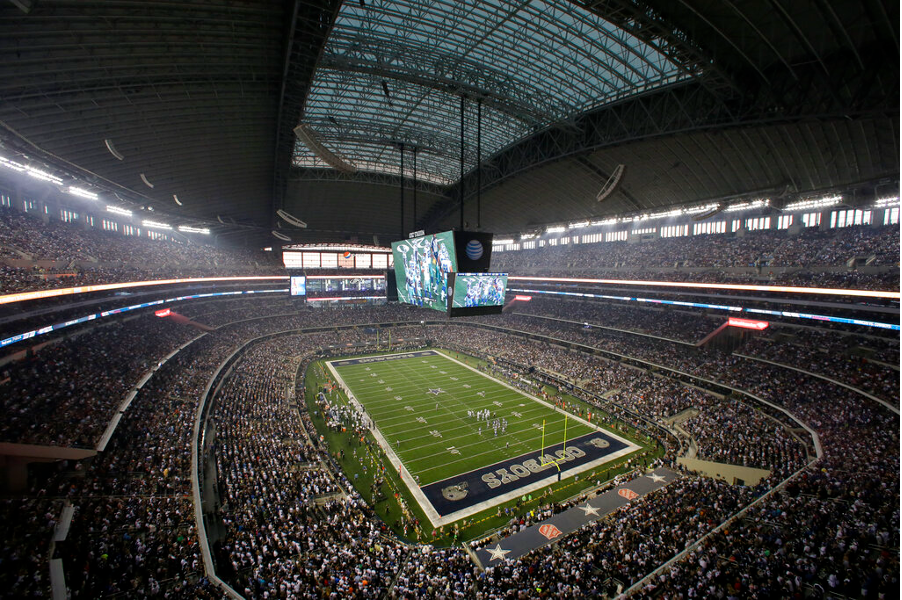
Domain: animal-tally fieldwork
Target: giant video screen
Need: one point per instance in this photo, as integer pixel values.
(472, 290)
(422, 266)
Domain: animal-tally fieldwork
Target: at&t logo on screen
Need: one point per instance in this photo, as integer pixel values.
(474, 250)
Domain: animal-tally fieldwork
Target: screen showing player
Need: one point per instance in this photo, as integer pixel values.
(422, 265)
(479, 289)
(298, 286)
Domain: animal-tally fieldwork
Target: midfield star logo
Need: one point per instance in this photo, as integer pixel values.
(436, 391)
(549, 531)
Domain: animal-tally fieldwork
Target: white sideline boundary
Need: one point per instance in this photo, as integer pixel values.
(434, 517)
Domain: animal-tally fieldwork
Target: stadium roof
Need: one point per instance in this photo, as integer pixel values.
(699, 99)
(395, 73)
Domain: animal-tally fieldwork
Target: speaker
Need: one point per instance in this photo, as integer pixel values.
(391, 286)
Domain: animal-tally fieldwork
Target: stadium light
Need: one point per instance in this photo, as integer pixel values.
(502, 242)
(527, 236)
(189, 229)
(42, 175)
(30, 171)
(119, 211)
(11, 164)
(813, 203)
(696, 210)
(556, 229)
(604, 222)
(676, 212)
(81, 193)
(884, 202)
(155, 225)
(578, 225)
(748, 205)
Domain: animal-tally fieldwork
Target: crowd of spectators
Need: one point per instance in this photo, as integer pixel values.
(435, 573)
(294, 316)
(280, 541)
(803, 259)
(878, 379)
(58, 241)
(877, 348)
(29, 524)
(834, 529)
(85, 256)
(834, 248)
(134, 532)
(753, 248)
(659, 351)
(26, 279)
(668, 323)
(621, 548)
(835, 526)
(731, 432)
(65, 393)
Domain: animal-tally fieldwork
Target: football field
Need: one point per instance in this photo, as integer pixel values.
(463, 441)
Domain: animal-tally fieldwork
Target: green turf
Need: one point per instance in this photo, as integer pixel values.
(432, 434)
(389, 508)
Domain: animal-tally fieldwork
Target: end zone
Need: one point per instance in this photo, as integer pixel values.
(466, 494)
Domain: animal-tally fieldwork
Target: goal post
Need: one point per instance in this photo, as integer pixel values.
(542, 452)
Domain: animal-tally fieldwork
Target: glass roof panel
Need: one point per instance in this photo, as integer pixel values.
(394, 71)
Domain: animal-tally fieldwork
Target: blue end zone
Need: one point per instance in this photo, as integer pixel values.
(378, 359)
(480, 485)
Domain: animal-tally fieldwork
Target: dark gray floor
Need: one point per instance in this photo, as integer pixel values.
(558, 526)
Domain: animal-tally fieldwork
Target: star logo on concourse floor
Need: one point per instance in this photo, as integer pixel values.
(588, 509)
(655, 478)
(497, 552)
